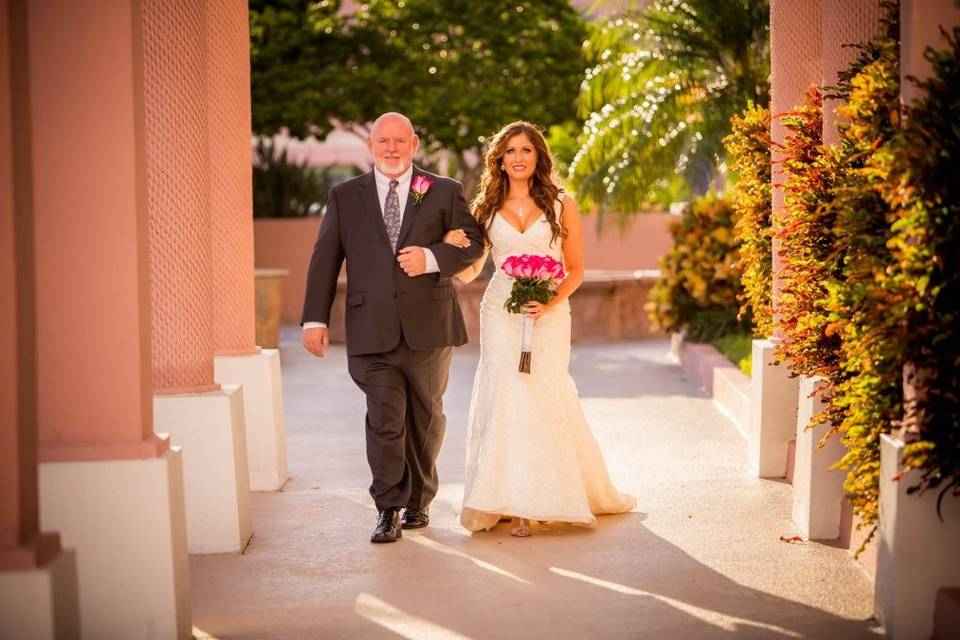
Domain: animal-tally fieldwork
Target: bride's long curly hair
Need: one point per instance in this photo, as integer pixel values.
(494, 184)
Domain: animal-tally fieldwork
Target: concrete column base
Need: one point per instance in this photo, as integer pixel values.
(817, 491)
(917, 553)
(773, 412)
(209, 428)
(259, 375)
(125, 519)
(41, 603)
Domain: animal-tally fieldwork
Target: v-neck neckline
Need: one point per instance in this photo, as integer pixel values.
(509, 224)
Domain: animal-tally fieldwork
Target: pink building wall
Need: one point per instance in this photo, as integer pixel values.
(286, 243)
(920, 22)
(638, 246)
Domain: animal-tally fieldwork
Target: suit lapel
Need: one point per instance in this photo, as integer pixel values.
(409, 211)
(371, 206)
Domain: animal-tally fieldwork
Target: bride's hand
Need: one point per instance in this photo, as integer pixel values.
(457, 238)
(535, 309)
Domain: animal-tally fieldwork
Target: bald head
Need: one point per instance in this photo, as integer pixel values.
(393, 143)
(393, 117)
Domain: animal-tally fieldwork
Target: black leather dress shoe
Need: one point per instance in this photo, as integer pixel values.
(414, 518)
(388, 526)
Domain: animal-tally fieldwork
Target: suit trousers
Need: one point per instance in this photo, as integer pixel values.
(405, 422)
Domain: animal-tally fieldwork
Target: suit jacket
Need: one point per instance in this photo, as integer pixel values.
(383, 302)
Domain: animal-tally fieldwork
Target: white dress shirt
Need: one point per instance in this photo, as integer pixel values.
(403, 190)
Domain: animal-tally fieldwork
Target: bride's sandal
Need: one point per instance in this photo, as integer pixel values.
(520, 528)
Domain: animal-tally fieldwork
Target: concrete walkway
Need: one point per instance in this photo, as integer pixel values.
(700, 558)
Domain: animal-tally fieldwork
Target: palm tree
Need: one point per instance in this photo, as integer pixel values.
(657, 102)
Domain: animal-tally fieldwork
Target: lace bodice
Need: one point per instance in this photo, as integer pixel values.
(506, 241)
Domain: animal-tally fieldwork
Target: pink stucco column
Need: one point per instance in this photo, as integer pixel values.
(21, 543)
(794, 66)
(231, 192)
(844, 22)
(90, 235)
(920, 22)
(178, 200)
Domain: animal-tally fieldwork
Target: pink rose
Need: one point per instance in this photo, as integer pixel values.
(537, 268)
(419, 187)
(545, 268)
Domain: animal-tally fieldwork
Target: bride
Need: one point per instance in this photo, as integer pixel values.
(530, 454)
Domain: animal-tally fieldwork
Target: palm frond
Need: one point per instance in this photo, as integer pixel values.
(657, 100)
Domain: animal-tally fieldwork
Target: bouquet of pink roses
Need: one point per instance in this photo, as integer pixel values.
(532, 280)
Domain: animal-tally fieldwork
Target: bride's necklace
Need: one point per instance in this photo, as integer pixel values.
(520, 210)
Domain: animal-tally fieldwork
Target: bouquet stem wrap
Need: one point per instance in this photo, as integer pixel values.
(526, 354)
(533, 279)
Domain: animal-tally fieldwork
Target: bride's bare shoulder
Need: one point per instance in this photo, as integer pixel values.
(569, 204)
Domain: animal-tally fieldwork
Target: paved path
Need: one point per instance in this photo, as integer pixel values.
(700, 558)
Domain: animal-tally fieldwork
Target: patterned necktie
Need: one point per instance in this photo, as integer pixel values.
(391, 214)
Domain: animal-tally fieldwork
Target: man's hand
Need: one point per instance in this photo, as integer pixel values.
(412, 260)
(316, 340)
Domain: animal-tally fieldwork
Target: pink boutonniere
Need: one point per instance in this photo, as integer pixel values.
(419, 188)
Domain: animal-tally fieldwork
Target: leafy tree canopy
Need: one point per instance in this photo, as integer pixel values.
(305, 68)
(460, 69)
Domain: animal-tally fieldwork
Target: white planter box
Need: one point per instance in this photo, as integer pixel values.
(817, 491)
(773, 406)
(918, 553)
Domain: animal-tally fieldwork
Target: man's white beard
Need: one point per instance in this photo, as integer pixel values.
(392, 166)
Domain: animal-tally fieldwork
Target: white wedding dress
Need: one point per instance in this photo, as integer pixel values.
(530, 452)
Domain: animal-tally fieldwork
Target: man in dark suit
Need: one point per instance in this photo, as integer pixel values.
(402, 318)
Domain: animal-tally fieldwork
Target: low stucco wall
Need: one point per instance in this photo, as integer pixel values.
(286, 243)
(608, 306)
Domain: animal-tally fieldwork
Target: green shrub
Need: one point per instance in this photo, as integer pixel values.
(748, 147)
(700, 280)
(837, 308)
(282, 189)
(923, 192)
(859, 300)
(807, 250)
(738, 348)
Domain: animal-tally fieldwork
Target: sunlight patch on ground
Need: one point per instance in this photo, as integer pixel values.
(400, 622)
(449, 499)
(715, 618)
(200, 634)
(360, 499)
(419, 538)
